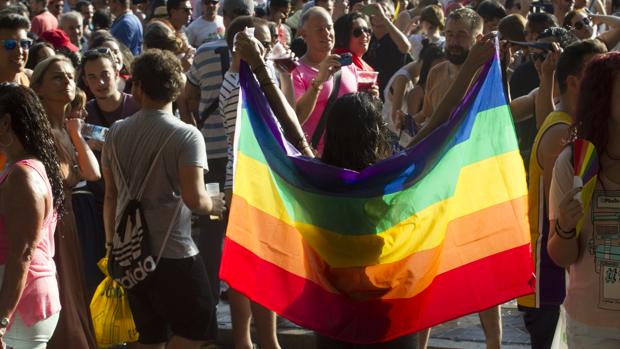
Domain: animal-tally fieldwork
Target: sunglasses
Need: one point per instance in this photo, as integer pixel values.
(186, 9)
(10, 44)
(212, 2)
(359, 31)
(538, 56)
(585, 21)
(97, 52)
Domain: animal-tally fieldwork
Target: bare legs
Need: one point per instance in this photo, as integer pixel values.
(491, 322)
(242, 311)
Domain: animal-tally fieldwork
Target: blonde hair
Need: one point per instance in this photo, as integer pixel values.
(79, 101)
(43, 66)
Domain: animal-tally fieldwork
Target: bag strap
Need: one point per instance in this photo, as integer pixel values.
(172, 221)
(207, 112)
(320, 128)
(148, 173)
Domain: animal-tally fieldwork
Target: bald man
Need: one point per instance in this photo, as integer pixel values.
(313, 79)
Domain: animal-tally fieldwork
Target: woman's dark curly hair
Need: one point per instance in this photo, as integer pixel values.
(30, 125)
(343, 27)
(594, 103)
(356, 135)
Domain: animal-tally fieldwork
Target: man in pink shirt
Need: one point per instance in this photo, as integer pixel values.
(313, 79)
(43, 20)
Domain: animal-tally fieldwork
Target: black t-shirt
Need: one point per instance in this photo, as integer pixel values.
(524, 79)
(383, 55)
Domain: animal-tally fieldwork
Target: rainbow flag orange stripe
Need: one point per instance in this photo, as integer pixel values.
(431, 234)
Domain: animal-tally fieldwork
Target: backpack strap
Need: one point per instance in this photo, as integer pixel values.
(172, 221)
(150, 170)
(320, 128)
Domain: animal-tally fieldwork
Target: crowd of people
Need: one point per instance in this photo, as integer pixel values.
(351, 83)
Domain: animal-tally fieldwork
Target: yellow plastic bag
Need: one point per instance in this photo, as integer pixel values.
(109, 309)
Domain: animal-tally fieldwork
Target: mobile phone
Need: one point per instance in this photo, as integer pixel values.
(369, 10)
(345, 59)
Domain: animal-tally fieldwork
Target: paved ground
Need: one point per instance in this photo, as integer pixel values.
(463, 333)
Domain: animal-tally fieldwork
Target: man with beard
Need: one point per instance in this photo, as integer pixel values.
(463, 28)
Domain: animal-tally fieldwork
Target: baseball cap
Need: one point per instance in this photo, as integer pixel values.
(59, 39)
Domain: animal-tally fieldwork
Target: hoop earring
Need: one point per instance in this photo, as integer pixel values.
(8, 144)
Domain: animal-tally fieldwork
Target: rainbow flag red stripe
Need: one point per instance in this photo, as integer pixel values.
(431, 234)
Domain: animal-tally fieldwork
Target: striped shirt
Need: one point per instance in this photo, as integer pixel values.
(229, 102)
(206, 73)
(228, 108)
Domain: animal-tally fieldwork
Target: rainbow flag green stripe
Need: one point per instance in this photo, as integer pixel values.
(418, 239)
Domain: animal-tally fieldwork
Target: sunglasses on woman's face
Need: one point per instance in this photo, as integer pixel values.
(10, 44)
(585, 21)
(359, 31)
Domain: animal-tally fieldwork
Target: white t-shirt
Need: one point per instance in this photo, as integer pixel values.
(593, 292)
(416, 44)
(201, 31)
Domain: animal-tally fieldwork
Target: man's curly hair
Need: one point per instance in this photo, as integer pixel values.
(158, 74)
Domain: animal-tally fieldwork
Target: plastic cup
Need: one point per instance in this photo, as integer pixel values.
(366, 79)
(213, 190)
(282, 58)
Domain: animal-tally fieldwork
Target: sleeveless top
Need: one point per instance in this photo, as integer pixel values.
(40, 298)
(387, 97)
(550, 284)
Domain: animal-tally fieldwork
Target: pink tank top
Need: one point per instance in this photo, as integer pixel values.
(40, 297)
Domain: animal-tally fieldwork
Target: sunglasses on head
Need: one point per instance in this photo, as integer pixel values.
(359, 31)
(10, 44)
(212, 2)
(585, 21)
(97, 52)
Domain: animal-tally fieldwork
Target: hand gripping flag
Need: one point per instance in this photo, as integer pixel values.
(426, 236)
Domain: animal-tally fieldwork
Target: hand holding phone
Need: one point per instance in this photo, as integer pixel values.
(370, 10)
(345, 59)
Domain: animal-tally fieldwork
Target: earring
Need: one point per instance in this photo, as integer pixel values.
(9, 143)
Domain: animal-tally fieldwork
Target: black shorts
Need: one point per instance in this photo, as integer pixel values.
(175, 300)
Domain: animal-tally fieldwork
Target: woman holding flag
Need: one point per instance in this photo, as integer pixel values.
(584, 210)
(366, 144)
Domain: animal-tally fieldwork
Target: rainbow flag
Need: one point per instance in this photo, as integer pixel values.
(421, 238)
(585, 166)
